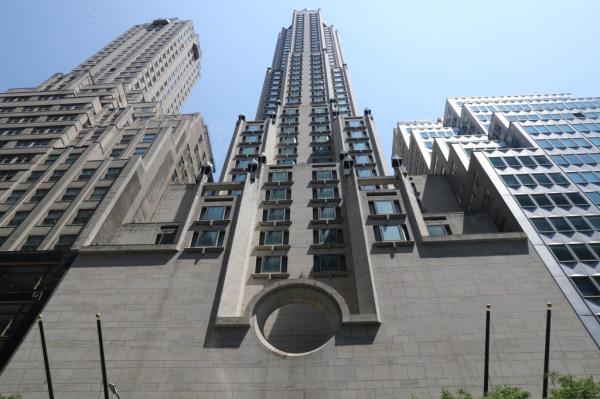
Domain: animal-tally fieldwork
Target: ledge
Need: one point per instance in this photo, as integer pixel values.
(150, 248)
(222, 222)
(281, 247)
(275, 223)
(269, 276)
(278, 183)
(326, 222)
(330, 274)
(324, 181)
(328, 246)
(393, 244)
(387, 216)
(277, 202)
(325, 200)
(203, 250)
(467, 238)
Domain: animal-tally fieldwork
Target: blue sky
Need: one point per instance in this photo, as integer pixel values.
(404, 57)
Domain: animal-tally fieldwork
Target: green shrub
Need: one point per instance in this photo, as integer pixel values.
(566, 386)
(507, 392)
(460, 394)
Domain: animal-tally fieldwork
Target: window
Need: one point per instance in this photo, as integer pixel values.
(35, 175)
(52, 217)
(542, 201)
(328, 236)
(82, 216)
(166, 235)
(276, 214)
(271, 264)
(562, 253)
(585, 286)
(577, 199)
(238, 177)
(7, 175)
(365, 172)
(325, 192)
(38, 195)
(438, 230)
(112, 173)
(14, 196)
(384, 207)
(56, 175)
(274, 237)
(18, 218)
(512, 162)
(65, 241)
(510, 180)
(212, 238)
(362, 159)
(542, 225)
(324, 213)
(582, 252)
(86, 174)
(323, 174)
(560, 224)
(278, 194)
(70, 194)
(579, 223)
(32, 243)
(329, 263)
(98, 193)
(126, 139)
(280, 177)
(140, 151)
(215, 213)
(148, 138)
(497, 162)
(116, 153)
(390, 233)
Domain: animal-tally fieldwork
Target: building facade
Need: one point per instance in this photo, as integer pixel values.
(87, 154)
(538, 156)
(308, 271)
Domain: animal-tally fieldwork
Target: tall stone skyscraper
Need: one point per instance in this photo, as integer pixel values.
(86, 152)
(308, 270)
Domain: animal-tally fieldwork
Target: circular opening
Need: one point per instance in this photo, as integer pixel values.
(298, 328)
(296, 320)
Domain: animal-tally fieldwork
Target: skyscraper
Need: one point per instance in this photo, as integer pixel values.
(538, 157)
(86, 152)
(308, 270)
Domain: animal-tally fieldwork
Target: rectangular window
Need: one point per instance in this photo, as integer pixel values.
(274, 237)
(148, 138)
(438, 230)
(86, 174)
(276, 214)
(112, 173)
(14, 196)
(211, 238)
(327, 236)
(278, 194)
(56, 175)
(324, 174)
(98, 193)
(65, 241)
(390, 233)
(32, 243)
(329, 263)
(562, 253)
(324, 213)
(52, 217)
(166, 235)
(384, 207)
(277, 177)
(325, 192)
(18, 218)
(70, 194)
(271, 264)
(215, 213)
(38, 195)
(140, 151)
(82, 216)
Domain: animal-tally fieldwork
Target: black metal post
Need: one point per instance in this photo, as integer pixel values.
(547, 351)
(102, 362)
(486, 366)
(46, 362)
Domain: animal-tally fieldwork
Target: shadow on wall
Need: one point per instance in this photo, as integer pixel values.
(495, 248)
